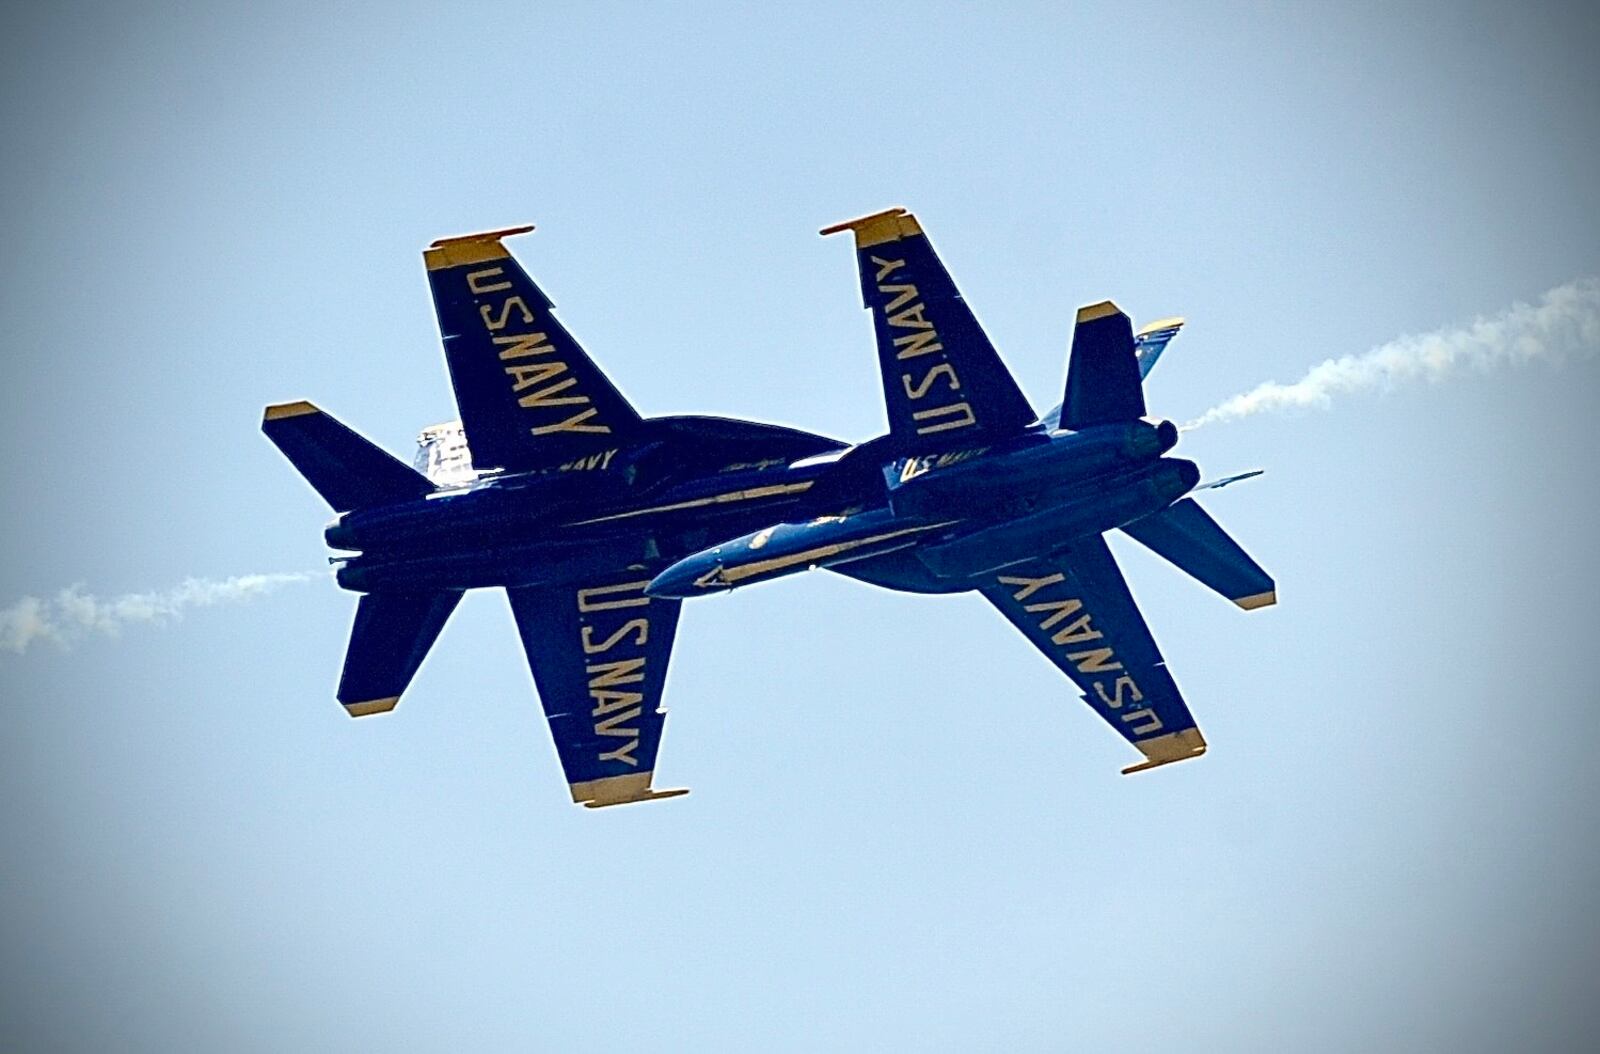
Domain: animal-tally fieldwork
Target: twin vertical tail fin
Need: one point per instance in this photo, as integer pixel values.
(1104, 384)
(347, 470)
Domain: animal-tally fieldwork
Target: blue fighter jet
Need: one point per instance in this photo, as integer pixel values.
(584, 501)
(970, 490)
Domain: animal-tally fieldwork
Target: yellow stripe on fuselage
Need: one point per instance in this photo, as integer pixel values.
(716, 499)
(730, 575)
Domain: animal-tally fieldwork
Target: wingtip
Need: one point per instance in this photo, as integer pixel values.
(462, 249)
(887, 226)
(372, 706)
(298, 408)
(1164, 750)
(1104, 309)
(619, 790)
(649, 795)
(1176, 322)
(481, 236)
(1257, 600)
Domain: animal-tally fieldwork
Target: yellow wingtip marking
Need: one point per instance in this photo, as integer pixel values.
(295, 409)
(463, 249)
(1164, 750)
(619, 790)
(1259, 600)
(1175, 322)
(371, 706)
(1104, 309)
(890, 225)
(482, 236)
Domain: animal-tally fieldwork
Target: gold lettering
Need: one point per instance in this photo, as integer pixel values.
(1029, 586)
(611, 674)
(476, 279)
(944, 369)
(611, 702)
(623, 754)
(639, 627)
(1080, 632)
(1152, 723)
(945, 411)
(572, 424)
(920, 343)
(907, 293)
(523, 345)
(886, 267)
(910, 318)
(545, 396)
(608, 727)
(535, 373)
(1062, 609)
(499, 323)
(587, 598)
(1115, 701)
(1098, 660)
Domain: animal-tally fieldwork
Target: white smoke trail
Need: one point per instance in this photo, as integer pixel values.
(72, 614)
(1564, 324)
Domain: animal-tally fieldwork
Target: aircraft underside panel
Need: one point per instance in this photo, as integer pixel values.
(599, 652)
(1075, 607)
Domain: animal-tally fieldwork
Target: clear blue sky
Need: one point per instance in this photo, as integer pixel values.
(905, 832)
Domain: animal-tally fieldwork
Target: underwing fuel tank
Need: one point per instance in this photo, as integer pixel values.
(790, 547)
(1052, 528)
(938, 484)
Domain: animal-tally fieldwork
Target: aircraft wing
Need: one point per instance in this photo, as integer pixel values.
(1076, 608)
(599, 657)
(943, 381)
(528, 394)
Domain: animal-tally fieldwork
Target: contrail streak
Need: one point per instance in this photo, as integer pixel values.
(72, 614)
(1564, 324)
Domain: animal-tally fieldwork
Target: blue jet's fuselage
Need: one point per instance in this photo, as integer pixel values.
(932, 523)
(644, 505)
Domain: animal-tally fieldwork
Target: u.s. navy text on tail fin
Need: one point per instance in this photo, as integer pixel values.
(943, 381)
(529, 396)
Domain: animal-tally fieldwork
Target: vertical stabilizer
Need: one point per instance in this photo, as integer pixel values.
(1103, 381)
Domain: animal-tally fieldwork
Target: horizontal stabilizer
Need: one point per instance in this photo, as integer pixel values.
(1103, 378)
(347, 470)
(1192, 540)
(392, 635)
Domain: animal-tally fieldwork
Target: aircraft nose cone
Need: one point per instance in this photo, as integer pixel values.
(689, 577)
